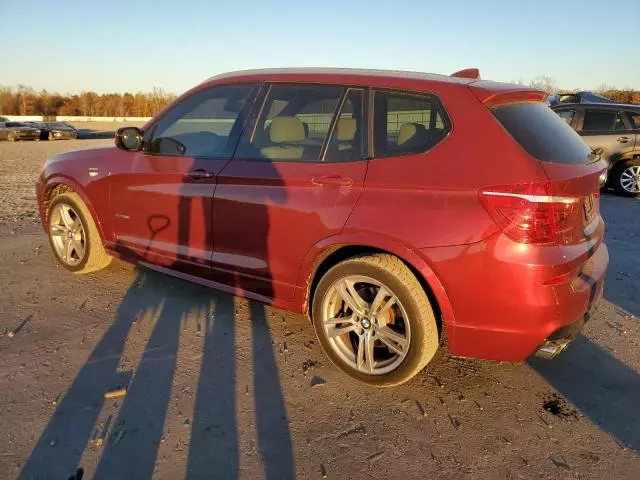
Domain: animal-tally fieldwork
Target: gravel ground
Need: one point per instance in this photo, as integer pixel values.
(223, 388)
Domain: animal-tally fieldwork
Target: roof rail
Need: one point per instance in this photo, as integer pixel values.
(472, 73)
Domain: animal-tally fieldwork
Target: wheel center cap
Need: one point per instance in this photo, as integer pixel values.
(366, 323)
(70, 235)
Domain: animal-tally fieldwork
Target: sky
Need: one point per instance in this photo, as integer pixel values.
(72, 46)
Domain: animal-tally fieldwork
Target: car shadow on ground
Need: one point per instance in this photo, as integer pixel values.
(603, 388)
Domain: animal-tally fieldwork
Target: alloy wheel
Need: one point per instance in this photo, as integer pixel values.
(630, 179)
(67, 234)
(366, 325)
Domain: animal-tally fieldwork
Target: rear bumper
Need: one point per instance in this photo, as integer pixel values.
(502, 309)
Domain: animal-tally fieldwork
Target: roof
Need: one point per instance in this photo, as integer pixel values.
(289, 73)
(597, 106)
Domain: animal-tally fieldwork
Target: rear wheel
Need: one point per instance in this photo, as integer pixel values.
(625, 178)
(73, 235)
(374, 320)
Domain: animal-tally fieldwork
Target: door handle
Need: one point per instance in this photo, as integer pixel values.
(332, 180)
(623, 139)
(199, 174)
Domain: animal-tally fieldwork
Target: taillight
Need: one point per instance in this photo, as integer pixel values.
(529, 213)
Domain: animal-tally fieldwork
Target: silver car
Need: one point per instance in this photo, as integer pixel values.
(614, 128)
(13, 131)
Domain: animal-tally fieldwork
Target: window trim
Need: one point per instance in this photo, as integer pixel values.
(257, 112)
(334, 125)
(446, 119)
(244, 114)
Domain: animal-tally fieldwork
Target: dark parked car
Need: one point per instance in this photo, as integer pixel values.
(13, 131)
(577, 97)
(614, 128)
(56, 131)
(411, 204)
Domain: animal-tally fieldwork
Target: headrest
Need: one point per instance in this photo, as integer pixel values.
(409, 131)
(346, 129)
(286, 129)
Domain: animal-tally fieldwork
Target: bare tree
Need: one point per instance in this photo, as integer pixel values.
(545, 83)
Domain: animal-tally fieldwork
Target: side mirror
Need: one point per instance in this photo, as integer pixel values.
(129, 138)
(598, 151)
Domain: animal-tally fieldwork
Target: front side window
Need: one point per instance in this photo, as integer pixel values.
(206, 124)
(406, 123)
(567, 115)
(603, 121)
(293, 123)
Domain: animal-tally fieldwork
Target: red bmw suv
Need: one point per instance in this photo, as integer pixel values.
(391, 207)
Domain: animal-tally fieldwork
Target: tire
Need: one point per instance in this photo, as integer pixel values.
(620, 173)
(412, 313)
(50, 137)
(94, 255)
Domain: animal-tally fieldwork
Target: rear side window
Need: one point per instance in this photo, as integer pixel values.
(634, 117)
(542, 133)
(407, 123)
(603, 121)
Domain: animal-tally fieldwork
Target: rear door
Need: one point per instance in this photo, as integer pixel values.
(608, 129)
(297, 173)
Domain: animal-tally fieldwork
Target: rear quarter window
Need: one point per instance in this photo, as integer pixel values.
(407, 123)
(542, 133)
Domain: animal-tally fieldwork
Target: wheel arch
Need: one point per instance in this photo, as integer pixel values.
(58, 185)
(332, 251)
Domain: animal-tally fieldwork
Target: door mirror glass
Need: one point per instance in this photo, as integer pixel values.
(129, 138)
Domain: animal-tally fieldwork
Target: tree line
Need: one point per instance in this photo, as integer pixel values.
(24, 100)
(549, 85)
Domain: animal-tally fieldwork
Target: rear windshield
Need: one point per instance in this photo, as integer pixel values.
(542, 133)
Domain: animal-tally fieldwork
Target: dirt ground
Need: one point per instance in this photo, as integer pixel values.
(223, 388)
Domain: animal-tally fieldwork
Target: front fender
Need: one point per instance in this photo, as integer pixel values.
(321, 250)
(56, 180)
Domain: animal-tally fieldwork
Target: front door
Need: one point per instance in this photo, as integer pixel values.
(294, 180)
(162, 198)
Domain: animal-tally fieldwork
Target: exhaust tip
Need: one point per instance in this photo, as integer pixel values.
(551, 348)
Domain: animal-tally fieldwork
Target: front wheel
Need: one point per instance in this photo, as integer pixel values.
(73, 235)
(374, 320)
(625, 178)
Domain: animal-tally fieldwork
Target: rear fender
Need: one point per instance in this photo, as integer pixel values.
(324, 248)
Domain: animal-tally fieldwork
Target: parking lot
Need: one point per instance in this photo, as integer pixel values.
(225, 386)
